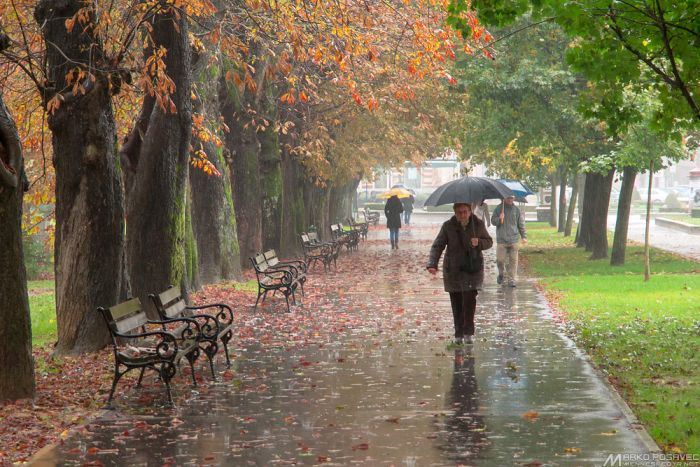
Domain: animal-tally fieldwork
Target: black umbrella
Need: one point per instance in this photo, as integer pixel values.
(468, 190)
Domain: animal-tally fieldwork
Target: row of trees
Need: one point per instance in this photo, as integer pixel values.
(180, 128)
(582, 94)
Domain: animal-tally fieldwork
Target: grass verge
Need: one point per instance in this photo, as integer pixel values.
(682, 218)
(42, 307)
(644, 335)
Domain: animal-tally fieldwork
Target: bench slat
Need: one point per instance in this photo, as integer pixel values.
(169, 295)
(130, 323)
(175, 310)
(125, 309)
(260, 262)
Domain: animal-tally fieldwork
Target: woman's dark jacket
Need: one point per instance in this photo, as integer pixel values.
(392, 210)
(457, 239)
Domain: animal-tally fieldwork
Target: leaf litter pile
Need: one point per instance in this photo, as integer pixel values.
(73, 390)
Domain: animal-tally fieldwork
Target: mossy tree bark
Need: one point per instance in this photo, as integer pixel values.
(89, 243)
(341, 201)
(624, 205)
(16, 362)
(213, 217)
(271, 180)
(156, 230)
(316, 202)
(293, 214)
(242, 144)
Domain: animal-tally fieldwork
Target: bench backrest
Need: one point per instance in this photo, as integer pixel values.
(125, 317)
(313, 237)
(271, 258)
(170, 303)
(259, 262)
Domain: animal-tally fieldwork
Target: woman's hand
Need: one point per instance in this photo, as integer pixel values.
(475, 242)
(432, 271)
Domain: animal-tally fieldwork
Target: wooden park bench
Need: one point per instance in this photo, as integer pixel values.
(361, 227)
(215, 326)
(276, 277)
(297, 266)
(139, 343)
(349, 238)
(315, 250)
(371, 217)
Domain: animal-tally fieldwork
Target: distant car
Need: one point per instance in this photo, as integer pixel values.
(658, 196)
(683, 193)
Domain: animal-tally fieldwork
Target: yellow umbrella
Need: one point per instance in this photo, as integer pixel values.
(400, 192)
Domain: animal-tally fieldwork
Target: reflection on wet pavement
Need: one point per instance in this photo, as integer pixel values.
(385, 390)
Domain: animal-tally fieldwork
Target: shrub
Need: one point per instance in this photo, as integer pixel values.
(38, 259)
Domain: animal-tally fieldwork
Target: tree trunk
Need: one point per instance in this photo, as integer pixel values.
(317, 210)
(581, 198)
(575, 179)
(562, 202)
(271, 184)
(16, 361)
(157, 204)
(89, 243)
(214, 222)
(341, 200)
(293, 215)
(553, 203)
(243, 146)
(617, 255)
(583, 235)
(596, 208)
(647, 262)
(213, 217)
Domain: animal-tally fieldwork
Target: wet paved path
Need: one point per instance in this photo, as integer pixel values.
(379, 385)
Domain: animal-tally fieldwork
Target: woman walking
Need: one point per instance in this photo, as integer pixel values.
(392, 210)
(465, 237)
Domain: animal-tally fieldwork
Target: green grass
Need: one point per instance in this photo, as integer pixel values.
(42, 307)
(248, 286)
(645, 335)
(682, 218)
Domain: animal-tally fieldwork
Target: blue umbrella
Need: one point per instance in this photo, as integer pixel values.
(520, 190)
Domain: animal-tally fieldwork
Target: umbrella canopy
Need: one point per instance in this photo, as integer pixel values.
(468, 190)
(400, 192)
(520, 190)
(401, 185)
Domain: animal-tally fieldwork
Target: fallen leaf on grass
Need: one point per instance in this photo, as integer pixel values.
(530, 415)
(361, 446)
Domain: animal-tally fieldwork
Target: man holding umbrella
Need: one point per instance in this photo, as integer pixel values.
(510, 228)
